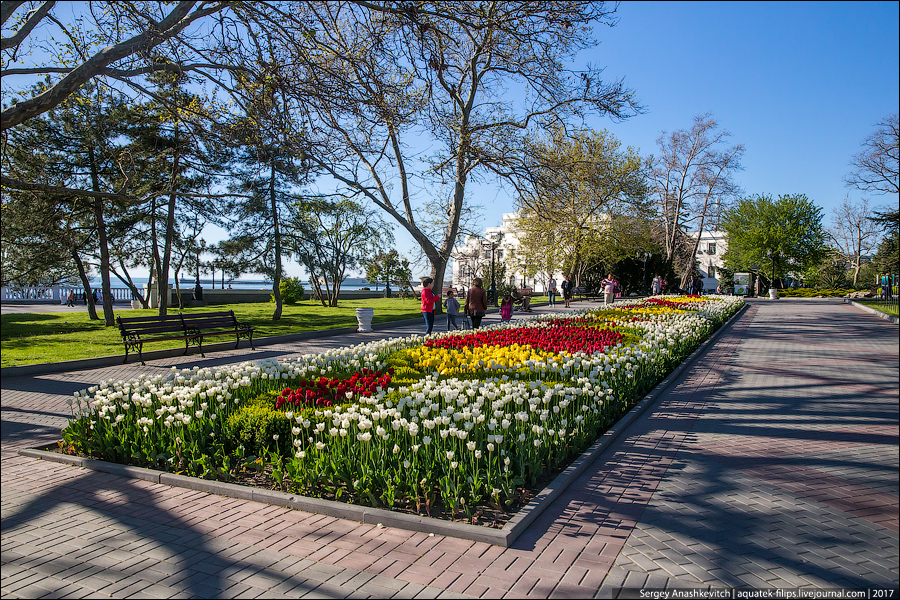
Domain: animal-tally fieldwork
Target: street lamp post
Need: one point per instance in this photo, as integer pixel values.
(644, 257)
(492, 244)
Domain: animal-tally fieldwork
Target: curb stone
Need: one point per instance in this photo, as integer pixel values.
(504, 537)
(869, 309)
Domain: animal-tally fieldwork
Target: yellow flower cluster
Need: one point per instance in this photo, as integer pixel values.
(448, 361)
(688, 299)
(626, 314)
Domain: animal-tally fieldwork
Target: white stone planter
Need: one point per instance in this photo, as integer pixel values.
(364, 318)
(773, 293)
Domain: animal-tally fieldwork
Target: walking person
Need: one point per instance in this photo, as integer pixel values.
(551, 291)
(476, 302)
(506, 308)
(428, 302)
(566, 286)
(609, 290)
(70, 299)
(452, 306)
(657, 285)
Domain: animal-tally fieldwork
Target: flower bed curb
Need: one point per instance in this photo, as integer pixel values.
(504, 537)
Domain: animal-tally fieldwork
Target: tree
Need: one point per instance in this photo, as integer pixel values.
(877, 167)
(887, 258)
(176, 166)
(389, 267)
(854, 233)
(580, 185)
(72, 156)
(330, 238)
(120, 40)
(267, 164)
(786, 234)
(693, 182)
(376, 75)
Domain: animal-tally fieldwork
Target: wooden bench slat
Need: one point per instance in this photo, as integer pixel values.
(191, 328)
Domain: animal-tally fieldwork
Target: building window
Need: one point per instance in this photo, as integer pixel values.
(712, 248)
(711, 271)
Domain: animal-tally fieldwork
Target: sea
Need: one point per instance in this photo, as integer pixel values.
(351, 283)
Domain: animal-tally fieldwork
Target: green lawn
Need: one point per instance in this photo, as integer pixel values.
(30, 338)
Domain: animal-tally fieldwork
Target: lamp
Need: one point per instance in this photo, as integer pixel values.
(491, 244)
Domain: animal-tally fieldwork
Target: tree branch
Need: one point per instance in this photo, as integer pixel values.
(30, 24)
(173, 24)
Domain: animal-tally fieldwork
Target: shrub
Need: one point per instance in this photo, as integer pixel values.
(254, 425)
(291, 289)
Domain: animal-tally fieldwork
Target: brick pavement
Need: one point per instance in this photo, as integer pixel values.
(772, 461)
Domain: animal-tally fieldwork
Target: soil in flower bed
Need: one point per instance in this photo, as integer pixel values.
(487, 515)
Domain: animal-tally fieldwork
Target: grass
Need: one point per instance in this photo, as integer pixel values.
(889, 308)
(29, 338)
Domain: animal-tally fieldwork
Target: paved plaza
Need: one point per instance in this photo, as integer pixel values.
(772, 461)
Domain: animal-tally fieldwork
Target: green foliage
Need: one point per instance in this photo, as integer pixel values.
(291, 289)
(331, 237)
(390, 268)
(585, 204)
(405, 370)
(255, 425)
(832, 277)
(814, 293)
(777, 236)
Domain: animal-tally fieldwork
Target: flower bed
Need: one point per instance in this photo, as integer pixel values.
(445, 423)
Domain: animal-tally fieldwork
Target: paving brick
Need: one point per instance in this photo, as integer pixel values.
(720, 478)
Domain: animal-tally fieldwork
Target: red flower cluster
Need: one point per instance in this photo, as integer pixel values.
(558, 338)
(325, 392)
(669, 303)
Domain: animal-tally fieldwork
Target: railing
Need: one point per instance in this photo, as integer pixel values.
(56, 294)
(890, 305)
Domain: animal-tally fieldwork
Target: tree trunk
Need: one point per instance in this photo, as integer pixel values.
(106, 287)
(276, 283)
(131, 286)
(86, 284)
(162, 281)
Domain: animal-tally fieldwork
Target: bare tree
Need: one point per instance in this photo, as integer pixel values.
(376, 77)
(693, 182)
(854, 232)
(877, 167)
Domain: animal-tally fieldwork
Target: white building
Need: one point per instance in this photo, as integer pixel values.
(709, 254)
(473, 259)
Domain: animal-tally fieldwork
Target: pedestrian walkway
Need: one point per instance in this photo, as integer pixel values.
(772, 461)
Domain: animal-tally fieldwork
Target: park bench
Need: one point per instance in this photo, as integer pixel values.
(586, 294)
(137, 331)
(216, 323)
(192, 328)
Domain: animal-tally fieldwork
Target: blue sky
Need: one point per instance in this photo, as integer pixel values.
(800, 84)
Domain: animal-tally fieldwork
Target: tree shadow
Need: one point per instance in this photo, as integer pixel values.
(202, 569)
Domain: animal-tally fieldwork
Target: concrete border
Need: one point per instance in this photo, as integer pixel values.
(869, 309)
(504, 537)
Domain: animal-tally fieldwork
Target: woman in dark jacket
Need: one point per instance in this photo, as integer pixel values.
(476, 302)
